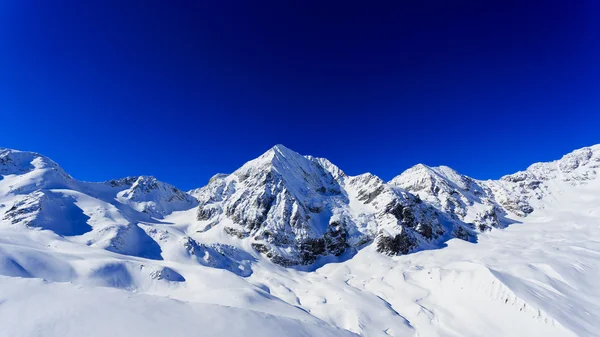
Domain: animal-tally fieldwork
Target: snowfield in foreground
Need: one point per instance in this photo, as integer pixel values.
(138, 257)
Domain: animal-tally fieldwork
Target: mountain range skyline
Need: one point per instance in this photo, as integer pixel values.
(295, 209)
(306, 247)
(189, 187)
(182, 90)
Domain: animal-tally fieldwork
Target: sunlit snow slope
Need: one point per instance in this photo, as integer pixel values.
(288, 245)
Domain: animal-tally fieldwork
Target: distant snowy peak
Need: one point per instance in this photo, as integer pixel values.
(487, 203)
(25, 172)
(519, 191)
(576, 167)
(433, 179)
(149, 195)
(454, 194)
(21, 162)
(402, 220)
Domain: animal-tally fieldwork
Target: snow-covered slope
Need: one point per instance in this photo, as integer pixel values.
(36, 193)
(291, 245)
(67, 310)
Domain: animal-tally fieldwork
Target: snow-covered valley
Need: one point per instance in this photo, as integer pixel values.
(289, 245)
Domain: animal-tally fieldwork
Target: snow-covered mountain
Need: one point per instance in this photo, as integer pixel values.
(296, 209)
(295, 241)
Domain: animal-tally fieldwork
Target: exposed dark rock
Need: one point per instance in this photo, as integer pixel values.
(333, 242)
(335, 239)
(207, 212)
(315, 209)
(369, 197)
(236, 232)
(527, 209)
(483, 227)
(282, 261)
(396, 209)
(398, 245)
(310, 249)
(252, 221)
(259, 247)
(462, 234)
(425, 230)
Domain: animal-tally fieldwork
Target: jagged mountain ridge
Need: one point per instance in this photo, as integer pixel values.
(297, 208)
(293, 209)
(487, 203)
(463, 198)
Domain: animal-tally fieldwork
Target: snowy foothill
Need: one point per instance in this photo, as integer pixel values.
(289, 245)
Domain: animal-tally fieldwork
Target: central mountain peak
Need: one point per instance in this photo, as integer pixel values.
(274, 155)
(296, 208)
(282, 200)
(278, 158)
(281, 167)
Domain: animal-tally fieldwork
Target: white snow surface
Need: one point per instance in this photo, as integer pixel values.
(128, 257)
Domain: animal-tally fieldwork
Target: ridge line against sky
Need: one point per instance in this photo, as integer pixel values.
(184, 89)
(240, 165)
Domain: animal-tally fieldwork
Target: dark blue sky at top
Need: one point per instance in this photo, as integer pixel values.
(185, 89)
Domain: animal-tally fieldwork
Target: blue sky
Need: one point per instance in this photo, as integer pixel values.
(185, 89)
